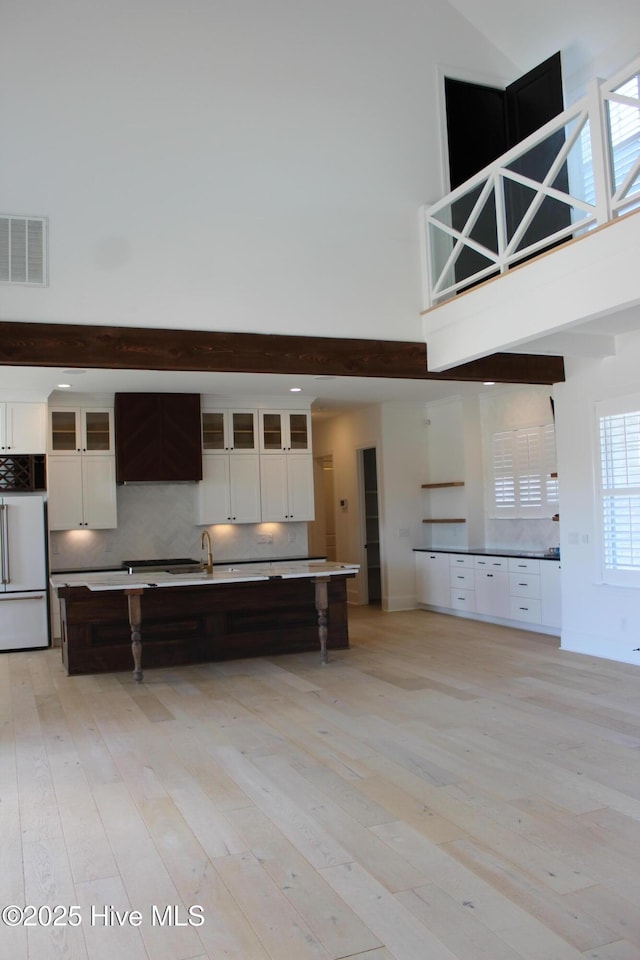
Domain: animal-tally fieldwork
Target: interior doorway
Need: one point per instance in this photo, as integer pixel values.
(321, 531)
(371, 524)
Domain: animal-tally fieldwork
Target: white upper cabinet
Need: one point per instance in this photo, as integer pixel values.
(229, 431)
(74, 430)
(230, 490)
(23, 428)
(287, 488)
(82, 493)
(285, 431)
(81, 468)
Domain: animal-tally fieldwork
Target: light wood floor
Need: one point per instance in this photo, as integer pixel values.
(445, 790)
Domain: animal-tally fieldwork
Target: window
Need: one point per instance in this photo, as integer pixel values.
(623, 119)
(523, 472)
(619, 437)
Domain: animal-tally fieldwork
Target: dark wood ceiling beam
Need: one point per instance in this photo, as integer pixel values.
(143, 348)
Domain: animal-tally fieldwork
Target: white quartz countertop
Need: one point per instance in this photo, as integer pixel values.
(243, 573)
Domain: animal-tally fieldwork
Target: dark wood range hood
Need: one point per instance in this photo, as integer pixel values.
(158, 437)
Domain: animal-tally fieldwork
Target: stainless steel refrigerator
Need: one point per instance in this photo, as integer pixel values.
(24, 619)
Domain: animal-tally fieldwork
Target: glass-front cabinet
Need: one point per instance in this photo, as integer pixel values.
(229, 431)
(74, 430)
(285, 431)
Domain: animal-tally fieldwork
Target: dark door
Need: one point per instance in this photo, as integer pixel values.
(372, 525)
(531, 102)
(483, 123)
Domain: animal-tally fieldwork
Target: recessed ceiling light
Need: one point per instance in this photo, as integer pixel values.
(295, 389)
(64, 386)
(489, 383)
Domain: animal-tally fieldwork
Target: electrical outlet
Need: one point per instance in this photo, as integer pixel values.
(264, 538)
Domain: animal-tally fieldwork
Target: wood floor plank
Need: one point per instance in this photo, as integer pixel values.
(340, 931)
(277, 924)
(226, 931)
(395, 926)
(105, 942)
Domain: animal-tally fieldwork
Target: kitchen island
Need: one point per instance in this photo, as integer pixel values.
(256, 609)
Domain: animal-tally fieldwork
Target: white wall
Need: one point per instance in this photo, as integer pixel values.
(598, 619)
(445, 462)
(402, 463)
(228, 165)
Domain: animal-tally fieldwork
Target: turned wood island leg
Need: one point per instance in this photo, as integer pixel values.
(135, 622)
(322, 604)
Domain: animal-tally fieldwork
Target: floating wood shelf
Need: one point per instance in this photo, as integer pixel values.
(450, 483)
(446, 520)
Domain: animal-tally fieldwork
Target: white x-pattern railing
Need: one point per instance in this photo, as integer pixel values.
(516, 208)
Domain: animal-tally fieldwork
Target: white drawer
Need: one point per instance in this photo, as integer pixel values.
(461, 579)
(491, 563)
(526, 610)
(523, 565)
(464, 560)
(524, 585)
(463, 600)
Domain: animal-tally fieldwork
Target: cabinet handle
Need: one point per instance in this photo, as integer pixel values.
(489, 575)
(523, 608)
(523, 584)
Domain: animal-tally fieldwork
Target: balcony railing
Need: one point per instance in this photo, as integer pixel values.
(579, 171)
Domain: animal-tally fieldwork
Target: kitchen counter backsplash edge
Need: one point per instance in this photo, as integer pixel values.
(223, 563)
(492, 552)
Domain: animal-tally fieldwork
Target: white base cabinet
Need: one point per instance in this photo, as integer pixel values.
(82, 493)
(523, 590)
(432, 578)
(492, 586)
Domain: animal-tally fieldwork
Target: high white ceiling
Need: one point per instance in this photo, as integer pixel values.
(592, 36)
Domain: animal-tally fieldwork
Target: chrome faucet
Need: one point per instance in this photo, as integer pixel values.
(208, 566)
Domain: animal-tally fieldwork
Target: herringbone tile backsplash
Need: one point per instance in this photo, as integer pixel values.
(158, 521)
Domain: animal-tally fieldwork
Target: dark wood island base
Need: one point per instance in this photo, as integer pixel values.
(195, 624)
